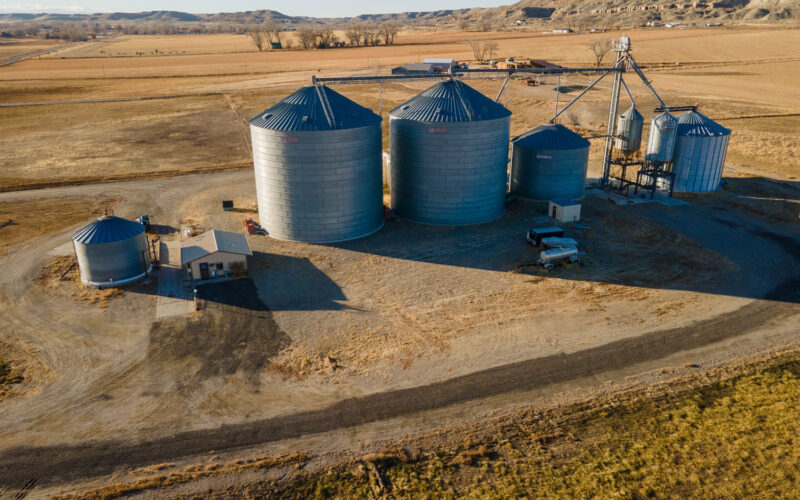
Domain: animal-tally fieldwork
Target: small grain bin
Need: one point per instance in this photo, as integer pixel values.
(661, 141)
(549, 163)
(699, 156)
(629, 132)
(111, 251)
(317, 159)
(449, 156)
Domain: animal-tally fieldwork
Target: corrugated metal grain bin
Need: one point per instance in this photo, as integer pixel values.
(699, 157)
(661, 141)
(449, 156)
(317, 159)
(549, 163)
(111, 251)
(629, 131)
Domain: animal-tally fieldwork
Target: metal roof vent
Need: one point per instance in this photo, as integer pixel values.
(305, 119)
(267, 116)
(405, 107)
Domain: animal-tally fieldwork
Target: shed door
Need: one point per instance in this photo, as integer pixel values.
(203, 271)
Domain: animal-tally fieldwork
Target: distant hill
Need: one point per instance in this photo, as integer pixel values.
(580, 13)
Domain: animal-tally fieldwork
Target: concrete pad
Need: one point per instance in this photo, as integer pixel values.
(173, 298)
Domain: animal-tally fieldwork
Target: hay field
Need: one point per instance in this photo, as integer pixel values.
(17, 47)
(740, 77)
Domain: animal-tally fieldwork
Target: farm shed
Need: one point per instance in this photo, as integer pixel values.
(215, 254)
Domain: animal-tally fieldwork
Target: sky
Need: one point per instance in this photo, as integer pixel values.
(316, 8)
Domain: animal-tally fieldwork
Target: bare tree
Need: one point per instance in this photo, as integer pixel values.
(388, 31)
(463, 24)
(353, 34)
(599, 48)
(307, 37)
(272, 30)
(371, 34)
(478, 49)
(257, 36)
(485, 26)
(324, 38)
(489, 48)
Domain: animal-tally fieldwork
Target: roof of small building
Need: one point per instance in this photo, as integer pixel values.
(107, 229)
(450, 101)
(416, 67)
(434, 60)
(304, 111)
(211, 242)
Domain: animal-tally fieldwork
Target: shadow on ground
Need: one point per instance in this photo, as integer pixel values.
(733, 242)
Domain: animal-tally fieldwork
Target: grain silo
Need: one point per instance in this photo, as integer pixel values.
(449, 156)
(700, 147)
(549, 163)
(112, 251)
(661, 141)
(629, 132)
(317, 158)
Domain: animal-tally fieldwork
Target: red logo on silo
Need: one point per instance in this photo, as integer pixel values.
(437, 130)
(289, 139)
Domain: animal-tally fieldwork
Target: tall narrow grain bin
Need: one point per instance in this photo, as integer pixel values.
(549, 163)
(449, 156)
(661, 142)
(111, 251)
(699, 156)
(629, 131)
(317, 159)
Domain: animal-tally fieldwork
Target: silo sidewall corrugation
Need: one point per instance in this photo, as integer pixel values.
(319, 186)
(449, 173)
(115, 263)
(545, 174)
(698, 163)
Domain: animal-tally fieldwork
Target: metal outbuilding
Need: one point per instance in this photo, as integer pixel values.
(661, 141)
(215, 254)
(699, 157)
(317, 158)
(449, 156)
(549, 163)
(112, 251)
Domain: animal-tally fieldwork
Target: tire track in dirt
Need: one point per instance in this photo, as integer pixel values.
(59, 464)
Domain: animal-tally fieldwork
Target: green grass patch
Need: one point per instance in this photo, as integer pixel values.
(734, 438)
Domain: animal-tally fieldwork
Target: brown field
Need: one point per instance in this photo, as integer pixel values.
(373, 339)
(220, 82)
(18, 47)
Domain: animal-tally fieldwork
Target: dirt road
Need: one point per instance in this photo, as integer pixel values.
(115, 346)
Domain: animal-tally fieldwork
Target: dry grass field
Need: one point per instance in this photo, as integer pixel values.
(214, 83)
(414, 326)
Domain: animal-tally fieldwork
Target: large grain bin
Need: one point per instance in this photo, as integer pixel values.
(549, 163)
(111, 251)
(449, 156)
(629, 132)
(317, 158)
(700, 148)
(661, 141)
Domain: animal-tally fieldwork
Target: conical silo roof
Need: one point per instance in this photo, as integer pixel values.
(632, 114)
(107, 229)
(551, 136)
(305, 111)
(450, 101)
(697, 124)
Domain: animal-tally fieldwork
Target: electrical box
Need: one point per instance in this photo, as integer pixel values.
(564, 210)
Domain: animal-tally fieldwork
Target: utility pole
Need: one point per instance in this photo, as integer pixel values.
(621, 47)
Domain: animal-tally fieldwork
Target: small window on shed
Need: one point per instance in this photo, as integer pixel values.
(219, 266)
